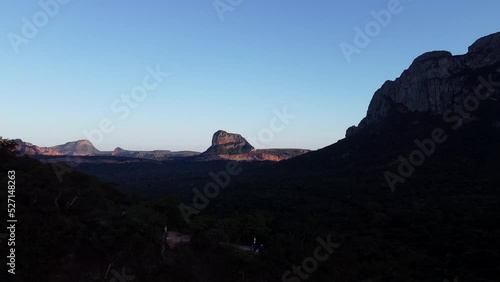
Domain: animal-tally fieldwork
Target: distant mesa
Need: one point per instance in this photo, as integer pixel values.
(224, 143)
(155, 155)
(232, 146)
(77, 148)
(118, 151)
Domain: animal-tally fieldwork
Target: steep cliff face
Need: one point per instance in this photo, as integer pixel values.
(231, 146)
(224, 143)
(434, 82)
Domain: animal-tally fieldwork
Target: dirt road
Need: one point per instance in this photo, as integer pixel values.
(175, 239)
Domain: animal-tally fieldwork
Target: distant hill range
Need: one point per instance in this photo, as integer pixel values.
(86, 148)
(225, 146)
(156, 155)
(76, 148)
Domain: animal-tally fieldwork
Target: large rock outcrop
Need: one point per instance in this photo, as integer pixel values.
(231, 146)
(224, 143)
(77, 148)
(434, 82)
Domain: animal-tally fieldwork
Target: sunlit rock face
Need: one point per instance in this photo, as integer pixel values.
(231, 146)
(224, 143)
(435, 81)
(77, 148)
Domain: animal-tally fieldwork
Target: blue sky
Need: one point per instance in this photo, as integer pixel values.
(229, 74)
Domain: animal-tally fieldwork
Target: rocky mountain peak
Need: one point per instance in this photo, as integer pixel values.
(486, 44)
(77, 148)
(232, 146)
(434, 82)
(433, 55)
(222, 137)
(224, 143)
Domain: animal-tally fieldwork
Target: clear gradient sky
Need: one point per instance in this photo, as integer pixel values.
(228, 74)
